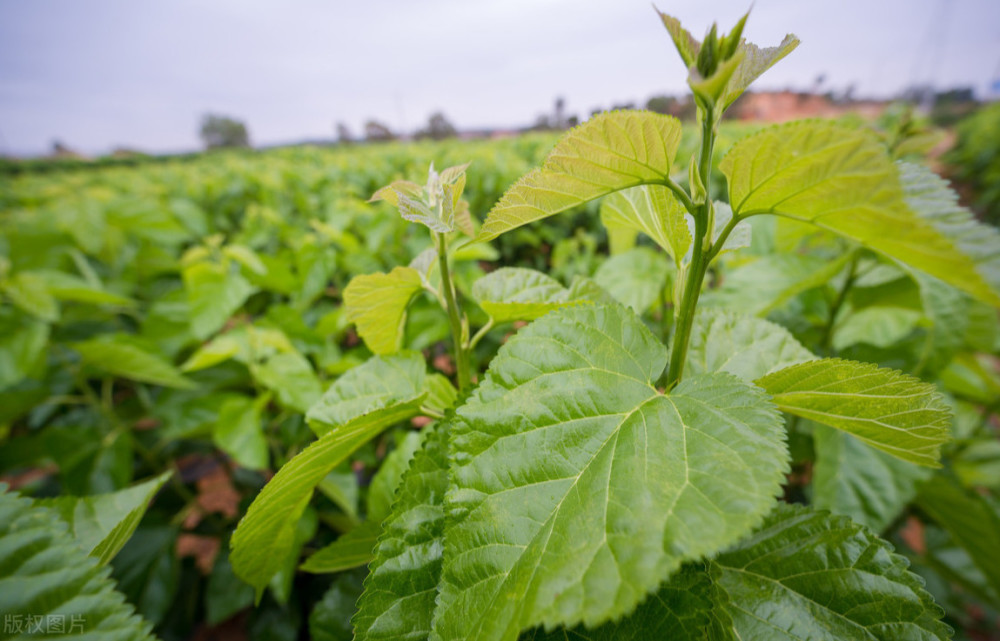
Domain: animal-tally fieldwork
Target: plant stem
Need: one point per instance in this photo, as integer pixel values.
(699, 260)
(454, 318)
(826, 343)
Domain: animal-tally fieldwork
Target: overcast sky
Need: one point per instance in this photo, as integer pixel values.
(107, 73)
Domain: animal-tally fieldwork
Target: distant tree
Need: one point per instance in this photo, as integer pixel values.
(222, 131)
(438, 128)
(661, 104)
(559, 114)
(344, 135)
(375, 131)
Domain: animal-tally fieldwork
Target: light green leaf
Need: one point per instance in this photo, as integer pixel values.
(609, 152)
(741, 235)
(636, 278)
(213, 294)
(246, 257)
(754, 62)
(651, 210)
(972, 520)
(744, 346)
(888, 410)
(842, 180)
(401, 587)
(239, 434)
(46, 574)
(811, 575)
(935, 203)
(67, 287)
(749, 61)
(130, 361)
(518, 293)
(102, 523)
(292, 378)
(30, 292)
(218, 350)
(377, 304)
(651, 481)
(351, 550)
(687, 46)
(441, 394)
(878, 326)
(854, 479)
(384, 390)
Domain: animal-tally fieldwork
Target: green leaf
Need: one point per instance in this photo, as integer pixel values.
(239, 434)
(854, 479)
(103, 523)
(681, 609)
(351, 550)
(291, 376)
(636, 278)
(356, 547)
(30, 292)
(148, 571)
(382, 489)
(650, 481)
(929, 196)
(609, 152)
(744, 346)
(518, 293)
(266, 534)
(401, 587)
(213, 294)
(22, 347)
(377, 304)
(331, 618)
(842, 180)
(810, 575)
(225, 594)
(764, 285)
(972, 520)
(651, 210)
(362, 403)
(384, 390)
(130, 361)
(888, 410)
(46, 575)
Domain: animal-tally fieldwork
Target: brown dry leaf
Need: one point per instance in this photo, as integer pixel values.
(912, 534)
(444, 364)
(204, 549)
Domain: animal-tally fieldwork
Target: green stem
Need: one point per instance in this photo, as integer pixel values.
(826, 343)
(454, 318)
(701, 253)
(681, 196)
(480, 334)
